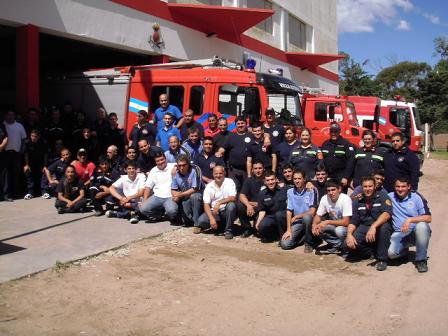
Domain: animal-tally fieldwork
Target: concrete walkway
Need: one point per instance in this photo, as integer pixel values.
(33, 236)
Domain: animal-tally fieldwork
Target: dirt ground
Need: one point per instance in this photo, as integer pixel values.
(185, 284)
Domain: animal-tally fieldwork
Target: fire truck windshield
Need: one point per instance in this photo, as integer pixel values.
(351, 113)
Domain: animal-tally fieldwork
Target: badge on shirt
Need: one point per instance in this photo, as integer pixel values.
(246, 139)
(145, 131)
(411, 205)
(401, 159)
(275, 133)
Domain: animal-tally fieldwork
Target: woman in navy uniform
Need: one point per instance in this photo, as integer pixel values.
(367, 158)
(306, 156)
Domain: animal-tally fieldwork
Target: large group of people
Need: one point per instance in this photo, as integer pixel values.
(260, 180)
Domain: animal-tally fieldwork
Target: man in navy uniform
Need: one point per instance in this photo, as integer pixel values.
(400, 161)
(369, 229)
(338, 156)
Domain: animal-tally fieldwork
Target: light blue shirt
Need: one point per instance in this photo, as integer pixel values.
(299, 202)
(412, 205)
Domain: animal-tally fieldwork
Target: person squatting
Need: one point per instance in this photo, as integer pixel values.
(261, 180)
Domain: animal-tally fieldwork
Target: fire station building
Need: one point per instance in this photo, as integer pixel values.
(295, 38)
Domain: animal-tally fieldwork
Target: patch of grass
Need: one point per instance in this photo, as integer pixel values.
(439, 155)
(60, 266)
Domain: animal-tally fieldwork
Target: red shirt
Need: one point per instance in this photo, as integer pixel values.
(84, 171)
(211, 133)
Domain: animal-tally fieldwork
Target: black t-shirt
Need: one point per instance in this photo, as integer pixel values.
(104, 179)
(147, 132)
(119, 139)
(57, 169)
(257, 151)
(73, 189)
(272, 201)
(147, 162)
(36, 152)
(251, 188)
(236, 147)
(277, 133)
(207, 164)
(185, 127)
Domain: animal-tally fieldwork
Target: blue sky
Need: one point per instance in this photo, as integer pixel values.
(390, 31)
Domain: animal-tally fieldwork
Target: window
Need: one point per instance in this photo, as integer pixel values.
(245, 101)
(265, 25)
(175, 93)
(210, 2)
(197, 99)
(297, 32)
(322, 112)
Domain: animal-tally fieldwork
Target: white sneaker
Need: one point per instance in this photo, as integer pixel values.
(111, 213)
(46, 196)
(133, 220)
(28, 197)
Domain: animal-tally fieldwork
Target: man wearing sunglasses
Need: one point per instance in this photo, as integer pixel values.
(400, 161)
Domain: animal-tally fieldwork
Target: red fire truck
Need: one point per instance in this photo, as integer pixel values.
(216, 85)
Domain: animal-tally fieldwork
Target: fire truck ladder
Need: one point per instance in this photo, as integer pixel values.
(214, 62)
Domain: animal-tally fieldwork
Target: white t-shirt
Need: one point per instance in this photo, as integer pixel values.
(129, 187)
(342, 207)
(16, 134)
(159, 181)
(213, 193)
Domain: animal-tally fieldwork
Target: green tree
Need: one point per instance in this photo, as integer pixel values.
(402, 79)
(355, 81)
(433, 90)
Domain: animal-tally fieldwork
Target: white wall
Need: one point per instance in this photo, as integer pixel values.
(106, 23)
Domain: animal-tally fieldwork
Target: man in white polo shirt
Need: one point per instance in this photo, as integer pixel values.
(219, 204)
(128, 190)
(157, 195)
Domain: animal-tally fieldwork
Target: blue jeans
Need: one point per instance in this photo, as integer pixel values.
(419, 236)
(155, 206)
(334, 235)
(298, 232)
(192, 208)
(270, 227)
(225, 216)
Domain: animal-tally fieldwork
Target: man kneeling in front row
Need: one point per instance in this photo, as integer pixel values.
(219, 204)
(369, 229)
(410, 221)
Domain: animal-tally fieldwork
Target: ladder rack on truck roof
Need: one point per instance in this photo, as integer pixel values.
(214, 62)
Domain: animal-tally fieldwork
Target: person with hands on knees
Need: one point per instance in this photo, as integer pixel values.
(219, 204)
(186, 190)
(272, 206)
(128, 191)
(300, 209)
(369, 229)
(71, 193)
(332, 217)
(410, 222)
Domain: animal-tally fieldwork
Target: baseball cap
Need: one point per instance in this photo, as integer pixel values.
(335, 128)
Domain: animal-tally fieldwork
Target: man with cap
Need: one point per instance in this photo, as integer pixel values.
(84, 168)
(276, 131)
(338, 156)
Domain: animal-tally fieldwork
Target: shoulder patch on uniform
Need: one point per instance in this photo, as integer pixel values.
(351, 148)
(388, 202)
